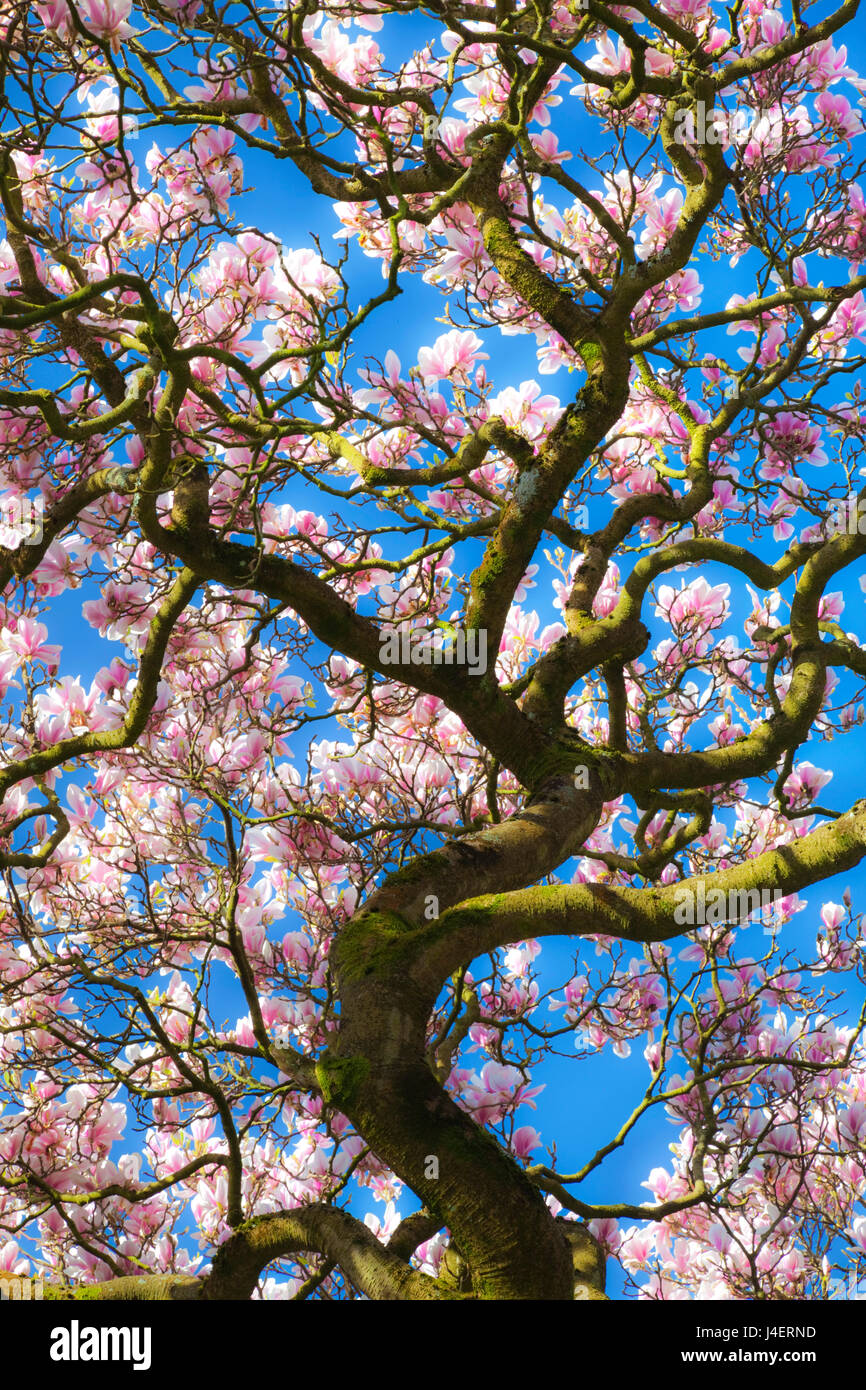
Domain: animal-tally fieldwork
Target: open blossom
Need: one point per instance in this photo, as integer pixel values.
(526, 409)
(28, 642)
(497, 1090)
(105, 19)
(56, 16)
(839, 114)
(793, 440)
(805, 782)
(697, 603)
(524, 1140)
(452, 355)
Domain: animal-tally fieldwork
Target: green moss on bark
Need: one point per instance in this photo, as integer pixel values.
(340, 1077)
(376, 941)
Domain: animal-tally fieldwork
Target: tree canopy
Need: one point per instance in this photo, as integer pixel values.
(412, 665)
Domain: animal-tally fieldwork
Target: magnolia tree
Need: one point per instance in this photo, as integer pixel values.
(408, 670)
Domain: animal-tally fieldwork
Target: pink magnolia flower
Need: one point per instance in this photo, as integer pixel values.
(661, 220)
(526, 409)
(497, 1090)
(698, 604)
(636, 1247)
(852, 1125)
(805, 782)
(840, 115)
(29, 644)
(107, 19)
(56, 16)
(383, 1228)
(10, 1261)
(524, 1140)
(452, 355)
(792, 441)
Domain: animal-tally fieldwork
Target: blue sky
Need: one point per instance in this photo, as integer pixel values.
(583, 1103)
